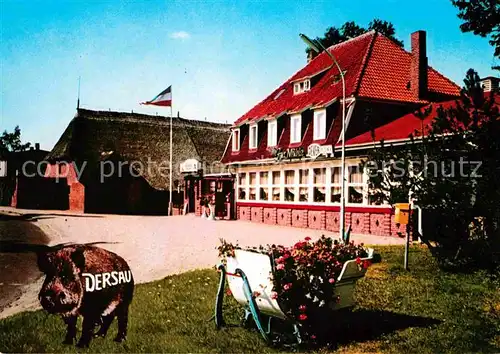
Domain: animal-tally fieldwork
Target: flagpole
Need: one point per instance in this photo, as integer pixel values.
(170, 204)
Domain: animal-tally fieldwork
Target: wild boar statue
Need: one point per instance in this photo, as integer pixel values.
(88, 281)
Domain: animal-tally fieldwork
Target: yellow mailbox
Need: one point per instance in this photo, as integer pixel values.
(402, 213)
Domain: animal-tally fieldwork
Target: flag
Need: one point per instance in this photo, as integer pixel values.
(164, 98)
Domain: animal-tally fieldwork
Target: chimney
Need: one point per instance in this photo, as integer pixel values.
(310, 56)
(418, 70)
(37, 146)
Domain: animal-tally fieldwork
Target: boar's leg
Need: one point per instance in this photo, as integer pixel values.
(106, 322)
(88, 325)
(122, 315)
(71, 329)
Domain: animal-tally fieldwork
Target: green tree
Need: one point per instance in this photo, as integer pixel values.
(350, 29)
(11, 142)
(450, 169)
(481, 17)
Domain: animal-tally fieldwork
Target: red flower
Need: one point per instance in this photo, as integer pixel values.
(302, 317)
(307, 238)
(366, 264)
(331, 280)
(302, 308)
(274, 295)
(313, 337)
(228, 292)
(358, 260)
(256, 294)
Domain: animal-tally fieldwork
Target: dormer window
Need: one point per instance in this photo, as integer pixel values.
(301, 86)
(253, 136)
(272, 133)
(319, 124)
(236, 139)
(295, 128)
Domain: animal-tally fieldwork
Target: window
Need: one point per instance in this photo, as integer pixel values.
(303, 185)
(272, 133)
(276, 182)
(355, 185)
(253, 184)
(319, 180)
(302, 86)
(236, 140)
(296, 128)
(242, 186)
(264, 186)
(336, 184)
(320, 124)
(253, 136)
(290, 189)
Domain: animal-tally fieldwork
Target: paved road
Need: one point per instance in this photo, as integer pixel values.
(17, 269)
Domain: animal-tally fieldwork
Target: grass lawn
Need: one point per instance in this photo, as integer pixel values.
(423, 310)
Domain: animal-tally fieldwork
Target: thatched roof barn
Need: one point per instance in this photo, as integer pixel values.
(141, 140)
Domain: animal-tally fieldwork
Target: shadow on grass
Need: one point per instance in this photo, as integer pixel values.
(345, 326)
(39, 216)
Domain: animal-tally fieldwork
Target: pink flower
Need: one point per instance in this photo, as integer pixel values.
(256, 294)
(228, 292)
(331, 280)
(302, 308)
(313, 336)
(274, 295)
(280, 260)
(287, 286)
(302, 317)
(280, 266)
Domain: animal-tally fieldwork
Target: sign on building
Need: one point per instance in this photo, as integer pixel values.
(315, 150)
(190, 165)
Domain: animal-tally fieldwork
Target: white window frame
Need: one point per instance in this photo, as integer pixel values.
(272, 139)
(301, 86)
(236, 142)
(293, 118)
(253, 143)
(319, 124)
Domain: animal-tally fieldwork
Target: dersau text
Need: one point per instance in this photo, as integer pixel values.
(95, 282)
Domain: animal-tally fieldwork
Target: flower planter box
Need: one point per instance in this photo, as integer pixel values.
(258, 268)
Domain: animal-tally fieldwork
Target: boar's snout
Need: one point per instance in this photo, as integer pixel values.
(57, 299)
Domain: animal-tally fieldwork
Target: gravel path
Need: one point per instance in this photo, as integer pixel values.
(156, 246)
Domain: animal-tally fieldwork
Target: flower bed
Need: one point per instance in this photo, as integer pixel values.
(304, 276)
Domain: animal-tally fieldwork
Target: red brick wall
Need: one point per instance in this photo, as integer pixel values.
(357, 223)
(77, 197)
(372, 221)
(270, 216)
(332, 222)
(284, 217)
(257, 214)
(244, 213)
(299, 218)
(316, 219)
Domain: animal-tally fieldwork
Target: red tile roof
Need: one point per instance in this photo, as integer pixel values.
(401, 128)
(375, 68)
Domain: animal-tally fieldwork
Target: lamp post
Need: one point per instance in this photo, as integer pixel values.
(318, 47)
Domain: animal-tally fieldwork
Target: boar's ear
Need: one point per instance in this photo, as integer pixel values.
(43, 261)
(78, 258)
